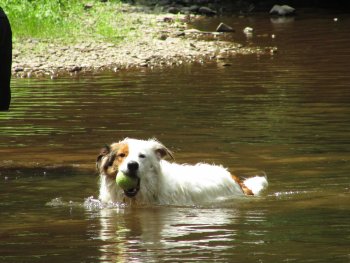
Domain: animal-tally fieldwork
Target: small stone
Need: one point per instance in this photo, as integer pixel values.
(164, 2)
(163, 36)
(179, 34)
(75, 69)
(248, 30)
(282, 10)
(173, 10)
(206, 11)
(19, 69)
(193, 9)
(88, 6)
(222, 27)
(192, 31)
(16, 53)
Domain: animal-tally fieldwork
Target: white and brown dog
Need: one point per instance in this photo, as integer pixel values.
(163, 182)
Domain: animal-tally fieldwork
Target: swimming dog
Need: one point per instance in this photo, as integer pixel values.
(162, 182)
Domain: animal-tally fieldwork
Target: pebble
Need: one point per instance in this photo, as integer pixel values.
(18, 69)
(222, 27)
(248, 30)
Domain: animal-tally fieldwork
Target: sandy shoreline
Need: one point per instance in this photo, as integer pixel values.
(169, 42)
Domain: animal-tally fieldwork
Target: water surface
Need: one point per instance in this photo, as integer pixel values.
(286, 114)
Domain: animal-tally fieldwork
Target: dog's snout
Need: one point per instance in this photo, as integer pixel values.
(133, 166)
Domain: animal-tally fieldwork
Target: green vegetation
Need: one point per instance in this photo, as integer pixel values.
(70, 21)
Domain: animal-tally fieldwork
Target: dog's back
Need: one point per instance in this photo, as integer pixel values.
(195, 184)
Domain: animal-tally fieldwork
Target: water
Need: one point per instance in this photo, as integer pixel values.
(286, 114)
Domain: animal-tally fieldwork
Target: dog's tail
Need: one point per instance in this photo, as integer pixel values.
(256, 184)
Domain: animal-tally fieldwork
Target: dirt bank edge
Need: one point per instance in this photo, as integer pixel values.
(169, 42)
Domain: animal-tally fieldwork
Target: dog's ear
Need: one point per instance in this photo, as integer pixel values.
(104, 151)
(162, 151)
(110, 160)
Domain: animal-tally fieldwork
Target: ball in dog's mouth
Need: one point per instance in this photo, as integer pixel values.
(130, 184)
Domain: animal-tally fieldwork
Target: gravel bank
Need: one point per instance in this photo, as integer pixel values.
(169, 42)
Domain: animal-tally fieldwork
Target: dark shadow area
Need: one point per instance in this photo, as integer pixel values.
(5, 60)
(223, 7)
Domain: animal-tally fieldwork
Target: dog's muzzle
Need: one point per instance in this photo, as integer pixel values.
(133, 191)
(132, 172)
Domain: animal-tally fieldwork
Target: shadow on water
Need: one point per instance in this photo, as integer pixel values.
(286, 114)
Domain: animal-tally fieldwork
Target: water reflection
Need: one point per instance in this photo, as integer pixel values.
(157, 234)
(282, 20)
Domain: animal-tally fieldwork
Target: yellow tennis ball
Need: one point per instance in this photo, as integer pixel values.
(125, 182)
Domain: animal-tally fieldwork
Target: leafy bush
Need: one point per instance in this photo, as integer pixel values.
(66, 20)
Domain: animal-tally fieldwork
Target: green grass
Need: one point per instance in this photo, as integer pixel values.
(68, 21)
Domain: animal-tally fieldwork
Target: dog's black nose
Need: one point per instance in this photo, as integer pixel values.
(133, 166)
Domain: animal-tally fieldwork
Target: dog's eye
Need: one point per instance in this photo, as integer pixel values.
(142, 155)
(122, 155)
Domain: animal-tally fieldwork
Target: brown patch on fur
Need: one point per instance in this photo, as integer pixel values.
(119, 151)
(245, 189)
(122, 153)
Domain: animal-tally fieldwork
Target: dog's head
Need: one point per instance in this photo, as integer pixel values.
(135, 158)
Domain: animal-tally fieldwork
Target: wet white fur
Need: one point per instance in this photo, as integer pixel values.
(163, 182)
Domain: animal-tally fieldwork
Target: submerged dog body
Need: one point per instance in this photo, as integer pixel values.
(163, 182)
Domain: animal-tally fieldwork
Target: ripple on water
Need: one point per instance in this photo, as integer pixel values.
(90, 204)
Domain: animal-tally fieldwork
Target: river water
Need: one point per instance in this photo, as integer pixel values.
(286, 114)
